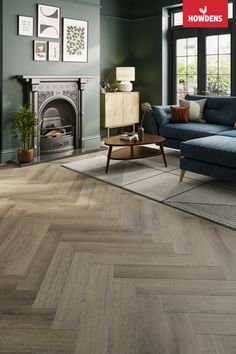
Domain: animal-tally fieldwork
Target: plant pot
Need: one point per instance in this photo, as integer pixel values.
(25, 155)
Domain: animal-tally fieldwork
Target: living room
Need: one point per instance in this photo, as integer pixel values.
(117, 255)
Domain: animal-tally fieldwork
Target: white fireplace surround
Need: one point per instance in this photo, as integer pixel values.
(40, 90)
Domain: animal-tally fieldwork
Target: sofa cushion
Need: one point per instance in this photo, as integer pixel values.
(218, 110)
(195, 109)
(179, 114)
(219, 150)
(162, 114)
(231, 133)
(183, 131)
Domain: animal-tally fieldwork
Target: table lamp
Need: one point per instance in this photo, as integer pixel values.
(125, 75)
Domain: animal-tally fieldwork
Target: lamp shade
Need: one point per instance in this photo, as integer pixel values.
(125, 73)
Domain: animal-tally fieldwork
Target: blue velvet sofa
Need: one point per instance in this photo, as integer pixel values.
(206, 148)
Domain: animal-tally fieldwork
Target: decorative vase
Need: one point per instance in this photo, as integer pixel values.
(140, 133)
(25, 156)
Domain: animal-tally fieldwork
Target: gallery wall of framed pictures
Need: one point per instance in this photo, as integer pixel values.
(69, 36)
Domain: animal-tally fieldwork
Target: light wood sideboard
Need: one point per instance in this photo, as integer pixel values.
(119, 109)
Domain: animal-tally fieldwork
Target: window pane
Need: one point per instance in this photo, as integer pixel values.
(181, 65)
(181, 95)
(212, 45)
(224, 85)
(192, 83)
(230, 10)
(212, 64)
(218, 80)
(224, 44)
(192, 46)
(212, 85)
(192, 65)
(224, 64)
(181, 45)
(181, 83)
(178, 18)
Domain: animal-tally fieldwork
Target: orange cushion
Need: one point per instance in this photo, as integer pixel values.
(179, 114)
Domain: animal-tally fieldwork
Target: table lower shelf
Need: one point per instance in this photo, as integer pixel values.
(134, 152)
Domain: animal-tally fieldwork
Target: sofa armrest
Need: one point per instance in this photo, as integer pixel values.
(158, 117)
(162, 114)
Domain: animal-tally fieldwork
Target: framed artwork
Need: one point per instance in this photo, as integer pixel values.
(53, 51)
(48, 21)
(40, 50)
(75, 40)
(25, 26)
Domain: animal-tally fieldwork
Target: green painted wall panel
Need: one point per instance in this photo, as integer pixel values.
(18, 59)
(115, 45)
(117, 8)
(147, 58)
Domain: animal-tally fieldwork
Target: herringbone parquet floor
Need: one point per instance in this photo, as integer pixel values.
(88, 268)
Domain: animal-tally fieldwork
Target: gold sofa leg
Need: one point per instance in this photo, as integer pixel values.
(182, 173)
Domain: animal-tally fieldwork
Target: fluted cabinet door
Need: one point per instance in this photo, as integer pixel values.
(119, 109)
(114, 110)
(131, 108)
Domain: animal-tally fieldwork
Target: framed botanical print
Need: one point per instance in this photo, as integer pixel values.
(48, 21)
(25, 26)
(75, 40)
(40, 50)
(53, 51)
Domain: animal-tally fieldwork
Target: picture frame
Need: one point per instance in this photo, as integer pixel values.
(75, 40)
(48, 21)
(25, 26)
(40, 50)
(53, 51)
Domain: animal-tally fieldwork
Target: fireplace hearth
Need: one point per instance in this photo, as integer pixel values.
(58, 103)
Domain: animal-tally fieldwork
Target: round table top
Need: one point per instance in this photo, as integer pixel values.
(148, 139)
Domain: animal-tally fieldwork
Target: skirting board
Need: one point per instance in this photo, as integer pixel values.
(92, 142)
(7, 155)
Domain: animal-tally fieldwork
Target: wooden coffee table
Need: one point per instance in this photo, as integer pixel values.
(134, 149)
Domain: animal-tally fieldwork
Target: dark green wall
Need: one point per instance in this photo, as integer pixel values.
(147, 58)
(117, 8)
(116, 36)
(115, 45)
(17, 60)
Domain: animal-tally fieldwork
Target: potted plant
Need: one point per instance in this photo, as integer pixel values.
(23, 128)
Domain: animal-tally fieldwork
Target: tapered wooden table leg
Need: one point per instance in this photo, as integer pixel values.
(163, 154)
(108, 158)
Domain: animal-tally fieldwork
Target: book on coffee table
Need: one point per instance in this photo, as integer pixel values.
(129, 137)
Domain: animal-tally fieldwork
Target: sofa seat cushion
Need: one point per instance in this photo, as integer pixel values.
(219, 150)
(231, 133)
(183, 131)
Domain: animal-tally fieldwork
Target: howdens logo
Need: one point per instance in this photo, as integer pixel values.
(205, 13)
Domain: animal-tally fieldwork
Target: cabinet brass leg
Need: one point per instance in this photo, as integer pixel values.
(182, 173)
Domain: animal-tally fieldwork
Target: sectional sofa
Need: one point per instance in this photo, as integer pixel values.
(206, 148)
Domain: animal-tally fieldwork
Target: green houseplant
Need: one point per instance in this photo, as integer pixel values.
(23, 128)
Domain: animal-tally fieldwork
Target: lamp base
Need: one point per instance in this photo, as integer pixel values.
(125, 86)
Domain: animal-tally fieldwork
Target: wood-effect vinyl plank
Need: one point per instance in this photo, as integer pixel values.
(53, 284)
(94, 322)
